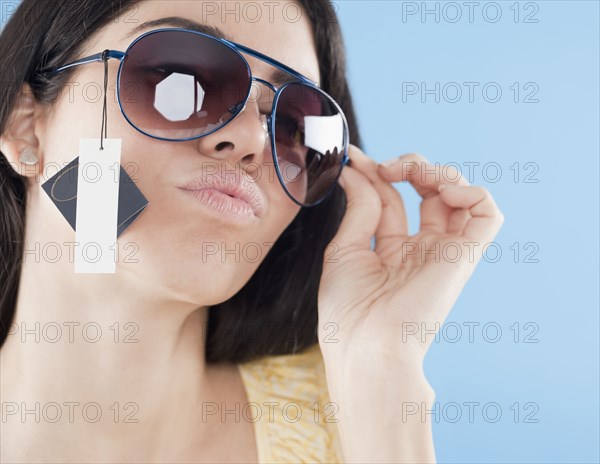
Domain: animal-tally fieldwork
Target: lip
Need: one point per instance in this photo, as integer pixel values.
(228, 193)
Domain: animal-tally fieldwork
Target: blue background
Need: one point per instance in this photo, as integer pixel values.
(558, 214)
(541, 371)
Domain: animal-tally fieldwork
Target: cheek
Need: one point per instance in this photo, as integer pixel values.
(77, 114)
(171, 245)
(181, 246)
(282, 209)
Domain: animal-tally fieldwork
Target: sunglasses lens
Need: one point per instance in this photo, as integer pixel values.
(309, 140)
(176, 85)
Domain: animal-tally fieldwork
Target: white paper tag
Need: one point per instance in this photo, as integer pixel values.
(324, 133)
(97, 206)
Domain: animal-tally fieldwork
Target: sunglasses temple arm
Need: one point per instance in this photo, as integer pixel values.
(88, 59)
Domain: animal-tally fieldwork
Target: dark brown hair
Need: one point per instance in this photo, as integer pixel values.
(276, 311)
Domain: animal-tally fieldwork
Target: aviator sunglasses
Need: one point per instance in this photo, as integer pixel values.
(177, 85)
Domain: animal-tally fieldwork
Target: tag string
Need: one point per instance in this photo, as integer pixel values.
(104, 128)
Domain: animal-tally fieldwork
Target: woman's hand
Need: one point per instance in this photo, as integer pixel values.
(383, 306)
(379, 309)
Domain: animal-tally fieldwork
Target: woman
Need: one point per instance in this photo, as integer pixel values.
(200, 347)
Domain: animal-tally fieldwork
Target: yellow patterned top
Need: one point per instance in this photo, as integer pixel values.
(288, 402)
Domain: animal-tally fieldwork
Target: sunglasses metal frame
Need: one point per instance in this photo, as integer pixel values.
(238, 49)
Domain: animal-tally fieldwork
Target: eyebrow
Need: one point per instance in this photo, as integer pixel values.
(278, 76)
(178, 21)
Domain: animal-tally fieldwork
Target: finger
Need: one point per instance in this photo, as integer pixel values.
(363, 210)
(393, 221)
(425, 177)
(458, 220)
(486, 218)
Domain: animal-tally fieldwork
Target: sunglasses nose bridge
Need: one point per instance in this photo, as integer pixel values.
(240, 107)
(265, 119)
(264, 82)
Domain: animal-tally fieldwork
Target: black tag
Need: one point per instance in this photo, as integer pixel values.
(62, 190)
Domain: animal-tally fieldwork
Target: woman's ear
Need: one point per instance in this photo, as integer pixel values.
(19, 142)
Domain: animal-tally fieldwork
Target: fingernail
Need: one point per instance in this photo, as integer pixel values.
(441, 187)
(388, 163)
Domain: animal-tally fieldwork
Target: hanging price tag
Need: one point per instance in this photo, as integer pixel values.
(97, 206)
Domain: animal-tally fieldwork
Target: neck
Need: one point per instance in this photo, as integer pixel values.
(91, 343)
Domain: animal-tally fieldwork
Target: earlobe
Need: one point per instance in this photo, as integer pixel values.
(29, 157)
(18, 142)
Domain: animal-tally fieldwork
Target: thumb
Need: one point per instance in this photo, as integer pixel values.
(363, 210)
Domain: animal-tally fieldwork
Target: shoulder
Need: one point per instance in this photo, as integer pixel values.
(288, 402)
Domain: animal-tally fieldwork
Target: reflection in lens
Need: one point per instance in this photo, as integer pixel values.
(186, 84)
(309, 141)
(178, 97)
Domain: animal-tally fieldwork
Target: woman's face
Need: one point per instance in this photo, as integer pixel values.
(183, 249)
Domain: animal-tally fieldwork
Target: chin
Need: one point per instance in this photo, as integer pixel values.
(206, 284)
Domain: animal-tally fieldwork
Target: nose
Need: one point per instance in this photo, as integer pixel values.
(242, 140)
